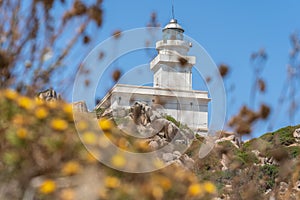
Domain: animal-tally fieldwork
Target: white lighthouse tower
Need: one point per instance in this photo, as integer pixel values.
(172, 67)
(172, 83)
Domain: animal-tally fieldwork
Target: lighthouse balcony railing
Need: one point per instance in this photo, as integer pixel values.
(175, 43)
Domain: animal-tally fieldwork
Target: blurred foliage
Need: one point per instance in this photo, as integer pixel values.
(243, 122)
(38, 38)
(42, 157)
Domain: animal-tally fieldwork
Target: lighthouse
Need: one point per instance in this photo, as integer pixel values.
(172, 88)
(172, 66)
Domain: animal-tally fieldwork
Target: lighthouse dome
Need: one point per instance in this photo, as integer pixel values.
(173, 31)
(174, 26)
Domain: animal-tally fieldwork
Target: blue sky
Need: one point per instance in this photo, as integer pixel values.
(230, 31)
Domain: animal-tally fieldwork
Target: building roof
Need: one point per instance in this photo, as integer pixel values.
(173, 25)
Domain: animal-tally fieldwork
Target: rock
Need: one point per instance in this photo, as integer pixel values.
(162, 142)
(177, 154)
(155, 115)
(161, 134)
(268, 191)
(148, 112)
(145, 132)
(49, 95)
(156, 138)
(176, 162)
(270, 161)
(150, 132)
(80, 106)
(259, 156)
(172, 131)
(223, 197)
(231, 139)
(159, 124)
(296, 135)
(286, 192)
(256, 152)
(283, 187)
(189, 135)
(178, 142)
(167, 157)
(141, 113)
(153, 145)
(297, 186)
(136, 111)
(169, 129)
(225, 161)
(187, 161)
(168, 147)
(128, 126)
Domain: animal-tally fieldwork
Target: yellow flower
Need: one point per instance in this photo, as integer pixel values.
(67, 194)
(10, 94)
(123, 143)
(22, 133)
(19, 120)
(81, 125)
(68, 109)
(157, 192)
(180, 174)
(165, 183)
(112, 182)
(105, 124)
(89, 138)
(39, 102)
(141, 145)
(59, 124)
(25, 102)
(71, 168)
(47, 187)
(158, 163)
(118, 160)
(209, 187)
(195, 190)
(41, 113)
(52, 104)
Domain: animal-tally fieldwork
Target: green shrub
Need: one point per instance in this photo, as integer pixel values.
(294, 152)
(271, 171)
(286, 136)
(269, 137)
(247, 157)
(171, 119)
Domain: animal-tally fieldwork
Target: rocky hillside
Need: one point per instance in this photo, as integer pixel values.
(42, 157)
(161, 133)
(267, 167)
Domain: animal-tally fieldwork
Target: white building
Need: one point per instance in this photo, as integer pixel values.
(172, 83)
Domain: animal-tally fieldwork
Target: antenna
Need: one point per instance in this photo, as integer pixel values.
(173, 12)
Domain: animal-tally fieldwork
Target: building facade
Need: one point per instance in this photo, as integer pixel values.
(172, 91)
